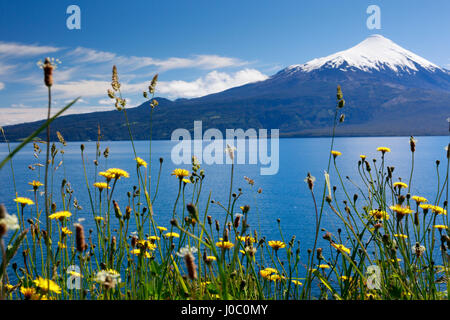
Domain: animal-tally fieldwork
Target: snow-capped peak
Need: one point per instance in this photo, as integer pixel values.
(374, 53)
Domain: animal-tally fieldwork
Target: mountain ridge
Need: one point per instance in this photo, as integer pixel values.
(388, 89)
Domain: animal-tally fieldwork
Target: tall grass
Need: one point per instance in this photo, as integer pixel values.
(390, 244)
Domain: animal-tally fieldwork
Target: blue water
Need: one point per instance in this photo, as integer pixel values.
(284, 195)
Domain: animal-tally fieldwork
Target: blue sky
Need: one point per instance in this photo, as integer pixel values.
(197, 47)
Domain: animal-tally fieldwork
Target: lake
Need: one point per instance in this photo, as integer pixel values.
(284, 196)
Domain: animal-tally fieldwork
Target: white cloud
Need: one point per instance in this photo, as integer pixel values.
(92, 88)
(22, 50)
(2, 85)
(211, 83)
(20, 115)
(208, 62)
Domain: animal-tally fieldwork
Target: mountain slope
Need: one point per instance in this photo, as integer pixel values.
(388, 91)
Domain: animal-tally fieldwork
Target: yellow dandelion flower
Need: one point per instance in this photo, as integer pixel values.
(180, 173)
(75, 274)
(117, 173)
(336, 153)
(154, 238)
(211, 258)
(341, 248)
(62, 245)
(224, 245)
(439, 210)
(172, 235)
(140, 162)
(27, 292)
(379, 214)
(404, 236)
(275, 277)
(35, 184)
(66, 231)
(24, 201)
(345, 278)
(324, 266)
(383, 149)
(419, 199)
(162, 229)
(400, 185)
(106, 175)
(426, 206)
(271, 270)
(186, 181)
(98, 218)
(297, 283)
(138, 252)
(440, 227)
(399, 210)
(363, 157)
(47, 285)
(101, 185)
(275, 245)
(265, 274)
(60, 215)
(246, 238)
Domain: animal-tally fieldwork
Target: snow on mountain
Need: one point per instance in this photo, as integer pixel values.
(374, 53)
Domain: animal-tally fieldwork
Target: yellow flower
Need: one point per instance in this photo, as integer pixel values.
(379, 214)
(61, 245)
(162, 229)
(24, 201)
(363, 157)
(75, 274)
(398, 260)
(117, 173)
(225, 244)
(47, 285)
(426, 206)
(27, 292)
(404, 236)
(9, 287)
(439, 210)
(154, 238)
(35, 184)
(140, 162)
(265, 273)
(98, 218)
(419, 199)
(275, 277)
(138, 252)
(172, 235)
(440, 227)
(297, 283)
(400, 185)
(399, 210)
(324, 266)
(271, 270)
(186, 181)
(246, 238)
(180, 173)
(101, 185)
(210, 259)
(345, 278)
(335, 153)
(66, 231)
(341, 247)
(383, 150)
(275, 245)
(60, 215)
(106, 174)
